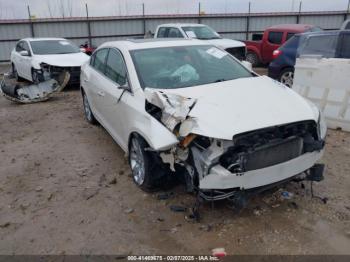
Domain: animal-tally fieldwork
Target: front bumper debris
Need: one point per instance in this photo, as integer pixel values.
(32, 93)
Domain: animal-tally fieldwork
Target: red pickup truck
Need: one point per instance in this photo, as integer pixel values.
(260, 52)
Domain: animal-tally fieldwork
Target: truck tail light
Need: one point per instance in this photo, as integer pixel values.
(276, 53)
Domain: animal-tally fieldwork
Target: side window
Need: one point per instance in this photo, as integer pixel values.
(19, 46)
(26, 47)
(324, 45)
(345, 49)
(115, 67)
(347, 26)
(275, 37)
(289, 36)
(161, 32)
(99, 60)
(174, 33)
(92, 59)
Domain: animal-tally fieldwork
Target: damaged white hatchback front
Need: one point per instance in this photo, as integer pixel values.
(187, 109)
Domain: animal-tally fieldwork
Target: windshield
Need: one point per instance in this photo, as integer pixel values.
(200, 32)
(52, 47)
(185, 66)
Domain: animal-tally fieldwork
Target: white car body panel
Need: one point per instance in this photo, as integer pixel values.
(221, 178)
(220, 43)
(24, 64)
(215, 101)
(325, 82)
(221, 111)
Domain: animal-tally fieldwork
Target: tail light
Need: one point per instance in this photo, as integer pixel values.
(276, 53)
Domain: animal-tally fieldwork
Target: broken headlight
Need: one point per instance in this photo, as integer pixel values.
(321, 126)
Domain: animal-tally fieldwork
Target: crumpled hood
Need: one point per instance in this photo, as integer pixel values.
(225, 43)
(64, 60)
(225, 109)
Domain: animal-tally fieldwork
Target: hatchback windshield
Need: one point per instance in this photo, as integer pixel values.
(52, 47)
(200, 32)
(185, 66)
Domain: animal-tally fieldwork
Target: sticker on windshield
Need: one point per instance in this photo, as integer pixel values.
(216, 52)
(191, 34)
(64, 43)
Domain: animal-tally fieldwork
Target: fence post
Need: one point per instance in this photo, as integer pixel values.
(30, 22)
(199, 12)
(248, 23)
(299, 13)
(347, 12)
(88, 24)
(143, 19)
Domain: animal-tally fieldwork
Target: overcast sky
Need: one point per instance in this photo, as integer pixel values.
(10, 9)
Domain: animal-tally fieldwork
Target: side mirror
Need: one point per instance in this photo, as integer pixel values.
(125, 87)
(247, 65)
(24, 53)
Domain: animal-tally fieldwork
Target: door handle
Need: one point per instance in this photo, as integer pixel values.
(101, 93)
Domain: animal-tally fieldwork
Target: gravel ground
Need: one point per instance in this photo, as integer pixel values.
(66, 189)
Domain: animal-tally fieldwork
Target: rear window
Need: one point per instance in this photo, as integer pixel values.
(275, 37)
(289, 36)
(292, 43)
(324, 45)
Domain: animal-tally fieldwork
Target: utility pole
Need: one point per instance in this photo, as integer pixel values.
(88, 24)
(199, 12)
(143, 19)
(30, 22)
(248, 22)
(299, 13)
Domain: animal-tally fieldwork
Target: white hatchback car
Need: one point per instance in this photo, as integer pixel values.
(183, 107)
(32, 58)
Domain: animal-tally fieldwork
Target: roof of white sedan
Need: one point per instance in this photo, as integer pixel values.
(182, 24)
(133, 44)
(43, 38)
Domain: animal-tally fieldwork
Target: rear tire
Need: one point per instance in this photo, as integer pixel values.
(252, 58)
(89, 116)
(286, 77)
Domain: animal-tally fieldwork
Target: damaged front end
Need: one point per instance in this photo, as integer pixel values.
(220, 169)
(33, 92)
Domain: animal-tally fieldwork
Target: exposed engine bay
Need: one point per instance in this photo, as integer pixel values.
(218, 168)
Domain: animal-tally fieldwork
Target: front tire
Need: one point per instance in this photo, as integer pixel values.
(89, 116)
(144, 167)
(286, 77)
(15, 73)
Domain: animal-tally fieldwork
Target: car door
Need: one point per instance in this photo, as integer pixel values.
(93, 80)
(26, 61)
(19, 60)
(117, 91)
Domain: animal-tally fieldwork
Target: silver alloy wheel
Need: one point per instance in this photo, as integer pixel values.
(87, 109)
(137, 162)
(35, 77)
(287, 78)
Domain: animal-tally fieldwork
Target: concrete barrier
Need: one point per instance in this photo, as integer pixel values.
(326, 82)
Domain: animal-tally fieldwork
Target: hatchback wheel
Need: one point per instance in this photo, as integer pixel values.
(252, 58)
(142, 164)
(87, 111)
(287, 77)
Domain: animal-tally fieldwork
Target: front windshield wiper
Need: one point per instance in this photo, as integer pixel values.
(220, 80)
(208, 38)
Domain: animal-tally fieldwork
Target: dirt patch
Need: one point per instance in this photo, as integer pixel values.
(66, 189)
